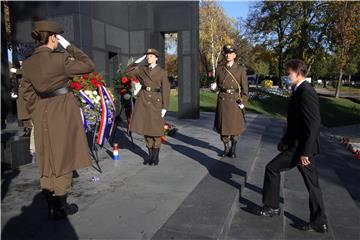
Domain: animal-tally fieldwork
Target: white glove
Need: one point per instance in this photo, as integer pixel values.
(163, 112)
(14, 95)
(139, 60)
(63, 42)
(213, 86)
(137, 88)
(13, 70)
(241, 106)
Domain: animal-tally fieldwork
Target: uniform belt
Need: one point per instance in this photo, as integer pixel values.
(150, 89)
(224, 90)
(57, 92)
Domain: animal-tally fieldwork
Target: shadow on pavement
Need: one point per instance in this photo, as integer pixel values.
(32, 223)
(6, 178)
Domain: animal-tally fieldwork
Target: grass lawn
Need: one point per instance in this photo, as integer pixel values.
(334, 112)
(345, 89)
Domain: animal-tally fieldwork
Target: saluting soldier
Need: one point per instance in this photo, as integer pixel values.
(151, 104)
(60, 140)
(231, 81)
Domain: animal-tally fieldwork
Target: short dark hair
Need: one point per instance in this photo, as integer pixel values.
(296, 65)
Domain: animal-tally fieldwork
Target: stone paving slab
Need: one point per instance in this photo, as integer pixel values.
(129, 201)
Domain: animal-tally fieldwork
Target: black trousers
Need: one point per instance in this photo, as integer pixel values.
(271, 189)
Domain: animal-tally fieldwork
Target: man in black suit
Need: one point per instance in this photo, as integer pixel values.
(298, 147)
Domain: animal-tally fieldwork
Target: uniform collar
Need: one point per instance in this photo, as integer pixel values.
(152, 66)
(229, 65)
(42, 49)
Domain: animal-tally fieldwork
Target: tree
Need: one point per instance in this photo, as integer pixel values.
(171, 64)
(343, 18)
(309, 31)
(216, 29)
(270, 23)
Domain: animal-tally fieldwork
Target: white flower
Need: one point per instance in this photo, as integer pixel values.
(95, 93)
(87, 92)
(98, 98)
(127, 96)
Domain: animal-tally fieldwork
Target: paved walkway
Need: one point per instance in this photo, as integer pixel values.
(192, 194)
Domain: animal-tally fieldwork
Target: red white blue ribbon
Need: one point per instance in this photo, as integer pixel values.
(103, 120)
(108, 96)
(87, 99)
(83, 119)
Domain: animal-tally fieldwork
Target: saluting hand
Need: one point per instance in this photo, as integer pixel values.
(63, 42)
(304, 160)
(139, 60)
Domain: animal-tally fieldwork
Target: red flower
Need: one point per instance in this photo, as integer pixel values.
(75, 86)
(123, 91)
(85, 76)
(124, 80)
(135, 80)
(94, 82)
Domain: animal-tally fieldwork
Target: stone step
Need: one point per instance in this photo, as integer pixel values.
(246, 223)
(342, 212)
(208, 211)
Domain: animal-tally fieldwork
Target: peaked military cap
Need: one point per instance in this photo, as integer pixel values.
(152, 51)
(228, 48)
(47, 26)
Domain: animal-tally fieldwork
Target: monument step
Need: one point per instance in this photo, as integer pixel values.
(208, 211)
(246, 223)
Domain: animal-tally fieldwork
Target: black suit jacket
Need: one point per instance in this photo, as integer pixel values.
(303, 121)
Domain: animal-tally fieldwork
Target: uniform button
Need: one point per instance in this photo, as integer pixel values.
(149, 95)
(46, 110)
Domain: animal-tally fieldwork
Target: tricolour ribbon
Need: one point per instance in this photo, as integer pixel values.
(103, 120)
(108, 96)
(83, 119)
(87, 99)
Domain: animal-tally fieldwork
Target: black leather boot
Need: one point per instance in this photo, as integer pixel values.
(62, 208)
(155, 159)
(49, 196)
(232, 152)
(148, 160)
(226, 150)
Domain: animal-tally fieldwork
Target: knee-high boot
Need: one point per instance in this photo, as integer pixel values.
(62, 208)
(49, 196)
(232, 152)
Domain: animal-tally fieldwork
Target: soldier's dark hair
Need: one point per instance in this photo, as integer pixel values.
(41, 37)
(296, 65)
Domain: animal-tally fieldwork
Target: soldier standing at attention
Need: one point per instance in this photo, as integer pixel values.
(151, 102)
(231, 81)
(60, 140)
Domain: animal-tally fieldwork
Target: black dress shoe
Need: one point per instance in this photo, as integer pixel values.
(269, 212)
(323, 228)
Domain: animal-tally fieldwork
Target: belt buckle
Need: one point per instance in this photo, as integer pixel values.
(228, 90)
(148, 89)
